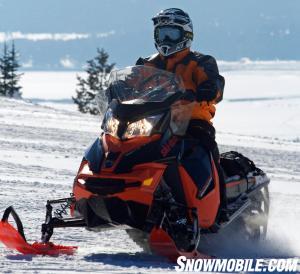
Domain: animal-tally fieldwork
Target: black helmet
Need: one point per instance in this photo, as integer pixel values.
(173, 31)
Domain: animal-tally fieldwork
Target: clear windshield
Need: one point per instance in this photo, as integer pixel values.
(139, 84)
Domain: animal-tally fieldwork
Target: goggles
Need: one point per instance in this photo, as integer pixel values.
(165, 33)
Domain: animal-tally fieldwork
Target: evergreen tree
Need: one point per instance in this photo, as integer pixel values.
(9, 78)
(92, 88)
(4, 69)
(14, 90)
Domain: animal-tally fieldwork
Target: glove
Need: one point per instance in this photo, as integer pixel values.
(189, 95)
(207, 91)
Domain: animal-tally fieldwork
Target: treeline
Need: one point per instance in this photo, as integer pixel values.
(90, 94)
(9, 78)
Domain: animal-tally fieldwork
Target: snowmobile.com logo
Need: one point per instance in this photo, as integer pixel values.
(236, 265)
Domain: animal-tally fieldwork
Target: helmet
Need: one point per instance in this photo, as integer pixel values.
(173, 31)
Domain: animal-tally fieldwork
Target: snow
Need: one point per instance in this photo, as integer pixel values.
(261, 105)
(49, 85)
(42, 142)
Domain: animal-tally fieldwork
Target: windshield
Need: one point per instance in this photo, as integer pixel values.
(140, 84)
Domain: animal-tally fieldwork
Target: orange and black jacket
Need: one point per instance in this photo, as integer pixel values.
(200, 76)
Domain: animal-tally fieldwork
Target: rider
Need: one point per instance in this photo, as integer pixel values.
(173, 35)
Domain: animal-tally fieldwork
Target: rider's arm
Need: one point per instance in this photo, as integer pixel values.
(210, 84)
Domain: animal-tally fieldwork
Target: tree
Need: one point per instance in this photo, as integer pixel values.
(9, 78)
(4, 68)
(91, 89)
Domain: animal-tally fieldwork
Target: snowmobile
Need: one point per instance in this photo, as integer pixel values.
(123, 179)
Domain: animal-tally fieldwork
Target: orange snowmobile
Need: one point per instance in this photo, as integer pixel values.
(127, 175)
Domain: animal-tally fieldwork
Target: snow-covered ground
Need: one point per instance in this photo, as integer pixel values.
(42, 145)
(262, 105)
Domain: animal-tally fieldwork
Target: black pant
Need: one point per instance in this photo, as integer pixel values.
(200, 140)
(204, 133)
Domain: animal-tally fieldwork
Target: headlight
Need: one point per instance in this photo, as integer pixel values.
(142, 127)
(111, 124)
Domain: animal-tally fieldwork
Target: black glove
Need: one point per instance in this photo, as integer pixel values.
(189, 95)
(207, 91)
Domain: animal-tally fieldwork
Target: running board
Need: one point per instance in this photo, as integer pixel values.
(244, 203)
(239, 206)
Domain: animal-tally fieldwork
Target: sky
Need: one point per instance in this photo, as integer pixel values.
(63, 34)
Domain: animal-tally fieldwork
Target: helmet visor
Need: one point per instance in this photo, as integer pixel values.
(167, 33)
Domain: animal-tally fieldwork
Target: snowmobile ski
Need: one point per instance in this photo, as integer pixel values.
(15, 239)
(162, 244)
